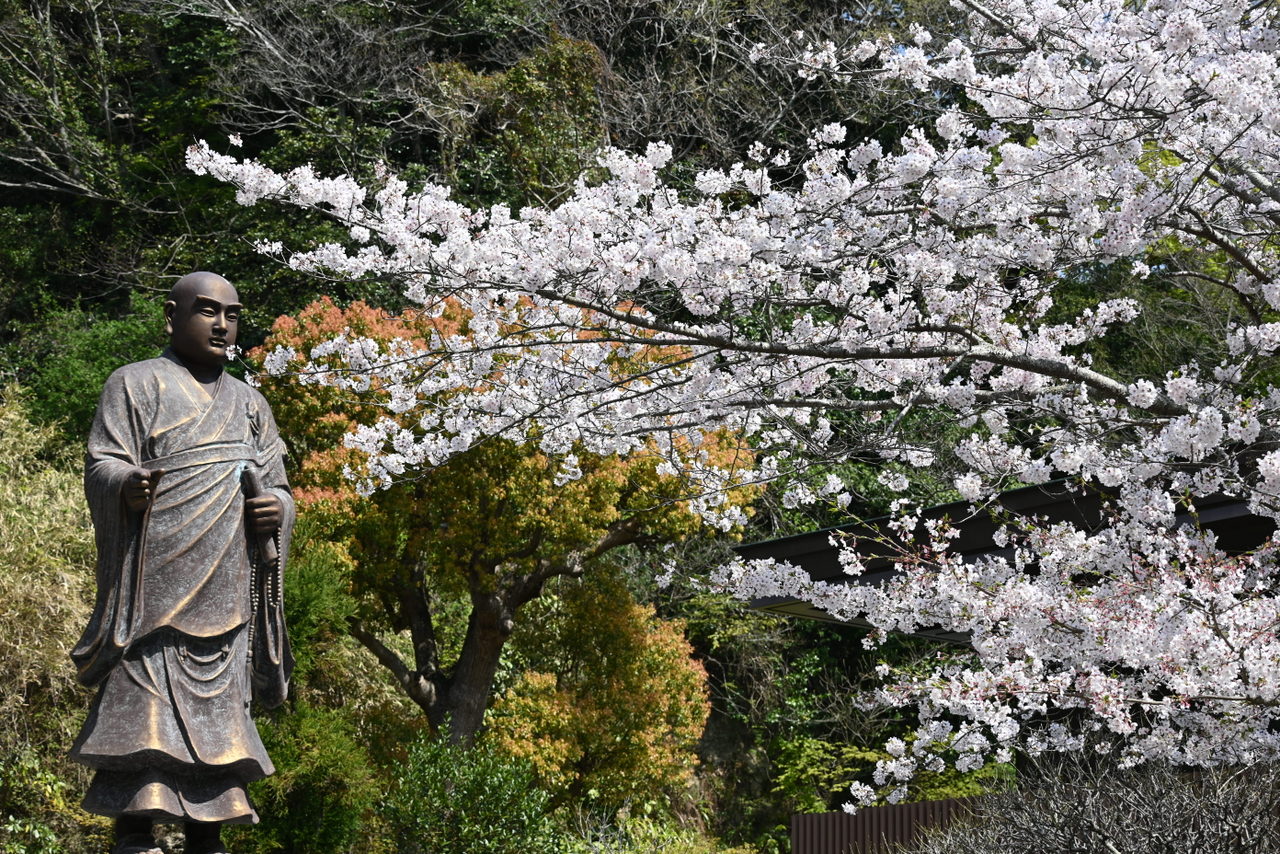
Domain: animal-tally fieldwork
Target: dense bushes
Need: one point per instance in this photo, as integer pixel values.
(324, 790)
(450, 799)
(46, 588)
(1087, 804)
(66, 358)
(610, 705)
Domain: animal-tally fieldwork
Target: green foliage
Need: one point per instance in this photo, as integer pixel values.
(21, 262)
(331, 137)
(813, 775)
(330, 742)
(789, 730)
(332, 671)
(45, 592)
(323, 790)
(28, 792)
(450, 799)
(100, 105)
(610, 706)
(522, 135)
(318, 604)
(488, 17)
(644, 835)
(48, 74)
(1160, 336)
(65, 358)
(46, 587)
(810, 771)
(39, 810)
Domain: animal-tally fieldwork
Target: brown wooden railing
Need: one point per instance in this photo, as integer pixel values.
(872, 830)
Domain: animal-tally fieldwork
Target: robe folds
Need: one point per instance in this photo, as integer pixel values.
(169, 642)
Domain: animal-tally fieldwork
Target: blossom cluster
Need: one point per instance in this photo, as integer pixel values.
(814, 311)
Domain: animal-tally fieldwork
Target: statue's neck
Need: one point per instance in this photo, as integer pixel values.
(207, 379)
(206, 375)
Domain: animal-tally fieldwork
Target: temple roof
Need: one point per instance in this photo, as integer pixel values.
(1229, 518)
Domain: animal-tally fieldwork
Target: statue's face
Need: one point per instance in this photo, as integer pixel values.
(203, 322)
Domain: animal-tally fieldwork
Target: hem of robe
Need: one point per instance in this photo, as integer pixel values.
(168, 796)
(170, 736)
(246, 770)
(178, 703)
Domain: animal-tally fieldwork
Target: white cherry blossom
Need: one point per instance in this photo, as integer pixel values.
(825, 310)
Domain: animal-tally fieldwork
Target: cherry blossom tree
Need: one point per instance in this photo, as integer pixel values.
(907, 302)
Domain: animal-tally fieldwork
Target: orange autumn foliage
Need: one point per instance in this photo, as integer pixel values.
(486, 530)
(619, 719)
(487, 505)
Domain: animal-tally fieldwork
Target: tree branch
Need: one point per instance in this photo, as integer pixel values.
(417, 687)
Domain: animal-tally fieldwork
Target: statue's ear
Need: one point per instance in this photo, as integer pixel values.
(169, 308)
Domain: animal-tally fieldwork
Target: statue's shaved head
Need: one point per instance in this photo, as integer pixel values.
(186, 288)
(202, 317)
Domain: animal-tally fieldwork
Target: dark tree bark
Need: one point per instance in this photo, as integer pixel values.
(454, 698)
(488, 629)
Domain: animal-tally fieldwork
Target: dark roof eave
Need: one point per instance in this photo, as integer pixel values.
(1237, 528)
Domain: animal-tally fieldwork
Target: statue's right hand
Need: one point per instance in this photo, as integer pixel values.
(139, 487)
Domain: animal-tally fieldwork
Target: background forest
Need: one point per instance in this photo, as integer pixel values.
(481, 651)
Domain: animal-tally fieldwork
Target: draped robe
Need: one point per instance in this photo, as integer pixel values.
(168, 643)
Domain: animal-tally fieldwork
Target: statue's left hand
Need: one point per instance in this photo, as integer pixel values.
(263, 513)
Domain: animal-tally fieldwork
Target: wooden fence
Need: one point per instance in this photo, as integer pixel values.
(872, 830)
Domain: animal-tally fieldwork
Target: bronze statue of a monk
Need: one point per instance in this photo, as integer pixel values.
(192, 516)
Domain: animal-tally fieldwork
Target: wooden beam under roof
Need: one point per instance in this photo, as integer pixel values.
(1229, 518)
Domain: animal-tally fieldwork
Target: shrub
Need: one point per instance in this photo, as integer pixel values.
(46, 588)
(611, 706)
(323, 790)
(643, 835)
(455, 800)
(47, 584)
(29, 793)
(66, 358)
(1090, 805)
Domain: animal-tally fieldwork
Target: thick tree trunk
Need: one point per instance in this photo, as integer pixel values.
(456, 698)
(467, 696)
